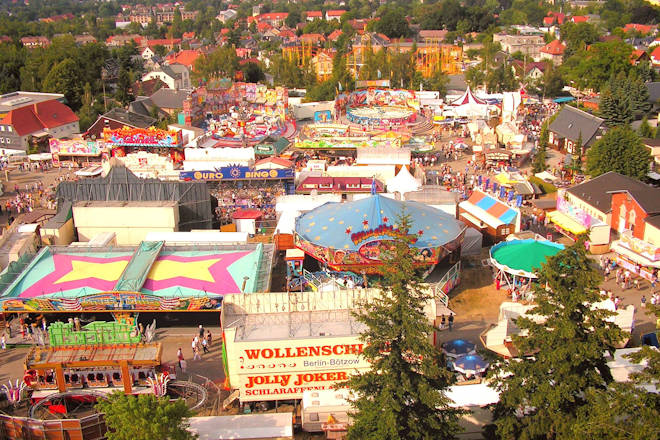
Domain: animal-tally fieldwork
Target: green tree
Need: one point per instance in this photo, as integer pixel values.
(220, 63)
(252, 73)
(65, 78)
(177, 24)
(402, 396)
(553, 82)
(123, 93)
(563, 352)
(145, 417)
(578, 151)
(645, 129)
(615, 107)
(87, 114)
(160, 50)
(392, 23)
(539, 164)
(594, 67)
(620, 150)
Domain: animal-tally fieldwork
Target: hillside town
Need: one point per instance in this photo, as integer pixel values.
(329, 219)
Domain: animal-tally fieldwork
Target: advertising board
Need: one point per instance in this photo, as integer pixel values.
(237, 173)
(143, 137)
(283, 369)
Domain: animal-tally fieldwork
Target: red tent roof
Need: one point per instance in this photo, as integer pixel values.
(468, 98)
(246, 214)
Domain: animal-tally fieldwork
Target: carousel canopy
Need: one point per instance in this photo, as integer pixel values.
(347, 225)
(403, 182)
(523, 257)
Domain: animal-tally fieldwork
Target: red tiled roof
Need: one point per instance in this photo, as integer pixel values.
(555, 47)
(335, 12)
(276, 160)
(312, 38)
(580, 19)
(164, 42)
(40, 116)
(185, 57)
(335, 34)
(314, 14)
(642, 28)
(655, 55)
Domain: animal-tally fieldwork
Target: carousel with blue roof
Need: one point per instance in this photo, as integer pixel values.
(352, 236)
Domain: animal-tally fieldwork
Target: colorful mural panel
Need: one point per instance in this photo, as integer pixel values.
(143, 137)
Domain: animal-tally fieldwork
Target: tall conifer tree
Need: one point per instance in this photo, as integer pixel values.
(544, 391)
(402, 396)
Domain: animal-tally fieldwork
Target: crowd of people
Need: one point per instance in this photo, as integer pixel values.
(261, 196)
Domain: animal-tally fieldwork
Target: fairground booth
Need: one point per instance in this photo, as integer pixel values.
(127, 141)
(77, 153)
(352, 236)
(491, 214)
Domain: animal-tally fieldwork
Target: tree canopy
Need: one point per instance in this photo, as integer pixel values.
(145, 417)
(562, 356)
(402, 396)
(620, 150)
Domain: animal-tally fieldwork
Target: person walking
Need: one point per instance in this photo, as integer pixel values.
(179, 356)
(205, 345)
(3, 342)
(451, 321)
(201, 332)
(209, 338)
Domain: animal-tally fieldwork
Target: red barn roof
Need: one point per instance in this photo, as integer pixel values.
(40, 116)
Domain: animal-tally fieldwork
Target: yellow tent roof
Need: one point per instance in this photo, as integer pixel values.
(567, 223)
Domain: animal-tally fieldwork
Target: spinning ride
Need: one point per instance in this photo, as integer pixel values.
(379, 107)
(353, 236)
(517, 261)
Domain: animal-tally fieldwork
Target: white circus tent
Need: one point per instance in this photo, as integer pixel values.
(470, 106)
(403, 182)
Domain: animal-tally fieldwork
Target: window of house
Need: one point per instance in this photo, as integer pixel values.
(622, 211)
(632, 216)
(314, 417)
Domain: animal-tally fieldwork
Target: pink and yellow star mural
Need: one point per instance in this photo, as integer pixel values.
(173, 273)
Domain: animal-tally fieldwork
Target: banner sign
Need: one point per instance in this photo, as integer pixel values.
(237, 173)
(284, 369)
(111, 301)
(75, 147)
(143, 137)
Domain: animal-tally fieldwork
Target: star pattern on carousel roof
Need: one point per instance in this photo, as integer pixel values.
(373, 216)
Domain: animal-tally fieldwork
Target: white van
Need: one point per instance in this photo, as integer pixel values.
(323, 406)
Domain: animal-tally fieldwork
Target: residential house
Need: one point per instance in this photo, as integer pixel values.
(275, 19)
(121, 40)
(334, 14)
(147, 88)
(432, 36)
(225, 16)
(321, 64)
(176, 76)
(84, 39)
(33, 42)
(638, 57)
(580, 19)
(185, 57)
(529, 45)
(553, 51)
(147, 53)
(643, 29)
(636, 217)
(334, 35)
(655, 57)
(31, 114)
(115, 119)
(313, 15)
(313, 39)
(170, 101)
(532, 71)
(143, 17)
(571, 124)
(654, 147)
(168, 43)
